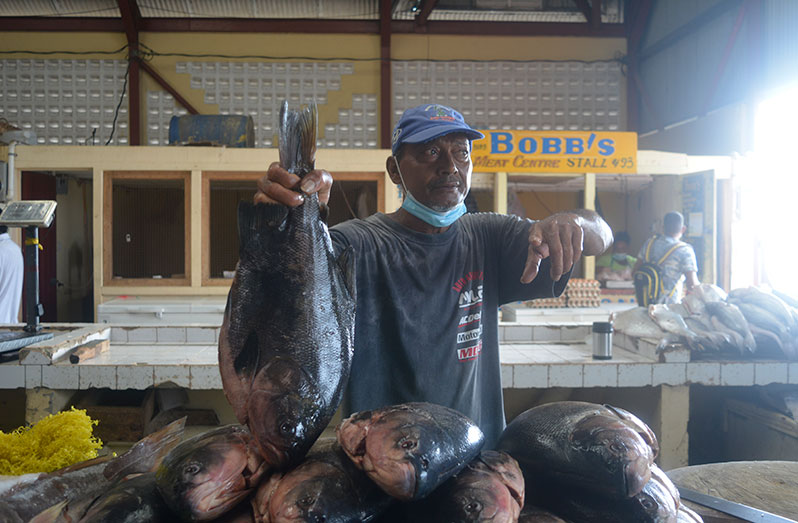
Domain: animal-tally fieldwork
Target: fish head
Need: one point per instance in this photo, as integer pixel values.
(312, 492)
(657, 502)
(207, 475)
(284, 412)
(397, 455)
(475, 495)
(479, 505)
(617, 452)
(406, 454)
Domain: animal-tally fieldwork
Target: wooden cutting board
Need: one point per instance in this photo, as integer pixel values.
(771, 486)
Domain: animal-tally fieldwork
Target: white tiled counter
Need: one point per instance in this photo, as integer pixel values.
(561, 357)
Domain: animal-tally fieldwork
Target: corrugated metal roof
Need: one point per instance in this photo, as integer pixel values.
(312, 9)
(83, 8)
(452, 10)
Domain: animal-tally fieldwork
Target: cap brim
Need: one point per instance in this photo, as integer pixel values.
(441, 130)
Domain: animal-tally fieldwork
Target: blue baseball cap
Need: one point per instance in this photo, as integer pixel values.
(427, 122)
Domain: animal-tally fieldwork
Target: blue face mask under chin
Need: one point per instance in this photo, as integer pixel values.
(424, 213)
(432, 217)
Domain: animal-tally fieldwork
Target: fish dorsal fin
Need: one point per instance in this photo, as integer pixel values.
(297, 138)
(147, 453)
(346, 263)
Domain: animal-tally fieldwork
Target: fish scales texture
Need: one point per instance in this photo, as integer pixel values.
(133, 501)
(286, 344)
(597, 447)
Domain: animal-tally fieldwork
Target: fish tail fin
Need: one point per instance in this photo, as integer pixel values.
(255, 218)
(297, 138)
(146, 455)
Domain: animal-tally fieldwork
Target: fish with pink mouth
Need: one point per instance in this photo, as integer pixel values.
(209, 474)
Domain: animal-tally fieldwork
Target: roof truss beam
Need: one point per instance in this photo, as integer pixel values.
(293, 25)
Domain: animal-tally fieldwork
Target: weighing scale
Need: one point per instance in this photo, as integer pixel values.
(30, 214)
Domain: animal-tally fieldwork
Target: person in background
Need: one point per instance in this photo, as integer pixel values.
(618, 264)
(12, 269)
(430, 277)
(680, 266)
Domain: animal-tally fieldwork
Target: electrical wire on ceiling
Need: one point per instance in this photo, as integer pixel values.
(147, 52)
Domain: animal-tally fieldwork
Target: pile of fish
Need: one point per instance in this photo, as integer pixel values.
(285, 351)
(566, 462)
(66, 495)
(743, 323)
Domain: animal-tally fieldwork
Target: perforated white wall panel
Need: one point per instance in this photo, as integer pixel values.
(63, 101)
(161, 107)
(565, 96)
(257, 89)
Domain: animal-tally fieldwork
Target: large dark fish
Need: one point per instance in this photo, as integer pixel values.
(602, 448)
(532, 514)
(489, 489)
(657, 502)
(80, 484)
(326, 487)
(207, 475)
(411, 448)
(286, 344)
(134, 500)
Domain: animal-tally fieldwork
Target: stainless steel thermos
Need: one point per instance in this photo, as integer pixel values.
(602, 340)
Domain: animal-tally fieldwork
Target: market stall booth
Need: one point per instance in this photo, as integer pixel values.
(162, 236)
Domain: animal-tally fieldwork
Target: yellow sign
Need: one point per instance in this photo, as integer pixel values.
(555, 152)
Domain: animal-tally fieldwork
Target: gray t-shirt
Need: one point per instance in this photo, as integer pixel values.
(673, 268)
(427, 312)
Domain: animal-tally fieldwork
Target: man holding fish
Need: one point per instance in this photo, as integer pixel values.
(430, 278)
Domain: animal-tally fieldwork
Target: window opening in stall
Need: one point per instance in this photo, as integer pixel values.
(223, 224)
(353, 195)
(148, 228)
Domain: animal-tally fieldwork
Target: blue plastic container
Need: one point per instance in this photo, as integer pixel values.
(212, 130)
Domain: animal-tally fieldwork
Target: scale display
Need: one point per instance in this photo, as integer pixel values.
(25, 213)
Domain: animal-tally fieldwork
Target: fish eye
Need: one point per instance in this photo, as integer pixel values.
(407, 443)
(286, 428)
(192, 469)
(473, 507)
(617, 447)
(306, 501)
(648, 504)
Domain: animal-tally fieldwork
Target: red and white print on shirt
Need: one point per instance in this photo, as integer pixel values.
(469, 305)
